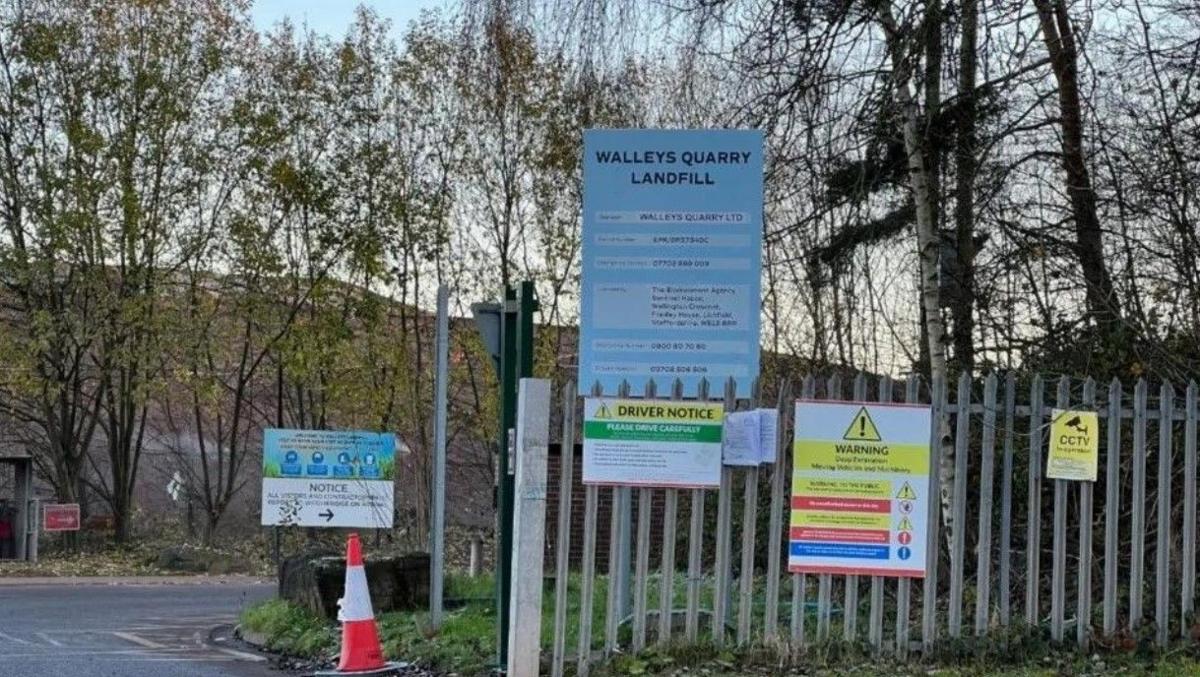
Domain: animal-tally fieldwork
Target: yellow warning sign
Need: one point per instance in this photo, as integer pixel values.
(899, 459)
(862, 428)
(905, 525)
(603, 412)
(906, 493)
(1074, 445)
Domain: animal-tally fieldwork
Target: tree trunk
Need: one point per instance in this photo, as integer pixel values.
(915, 132)
(211, 523)
(122, 528)
(966, 167)
(1059, 37)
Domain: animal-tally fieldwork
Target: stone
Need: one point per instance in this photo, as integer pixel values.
(315, 580)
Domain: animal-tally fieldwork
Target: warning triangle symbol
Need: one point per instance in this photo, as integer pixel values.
(603, 411)
(862, 428)
(907, 493)
(905, 525)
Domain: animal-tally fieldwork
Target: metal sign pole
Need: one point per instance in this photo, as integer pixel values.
(508, 380)
(437, 536)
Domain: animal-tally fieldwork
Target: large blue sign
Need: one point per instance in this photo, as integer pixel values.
(672, 255)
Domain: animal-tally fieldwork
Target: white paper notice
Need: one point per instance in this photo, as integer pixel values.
(741, 445)
(768, 425)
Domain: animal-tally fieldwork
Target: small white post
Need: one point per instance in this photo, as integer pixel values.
(529, 526)
(437, 522)
(476, 555)
(35, 524)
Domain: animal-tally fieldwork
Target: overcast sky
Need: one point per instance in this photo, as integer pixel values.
(333, 16)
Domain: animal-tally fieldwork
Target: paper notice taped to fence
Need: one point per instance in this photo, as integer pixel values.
(743, 438)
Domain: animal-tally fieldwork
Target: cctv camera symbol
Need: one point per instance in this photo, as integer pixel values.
(1077, 424)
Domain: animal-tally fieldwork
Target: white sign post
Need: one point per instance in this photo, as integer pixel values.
(529, 526)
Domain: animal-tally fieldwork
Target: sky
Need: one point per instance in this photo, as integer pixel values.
(332, 17)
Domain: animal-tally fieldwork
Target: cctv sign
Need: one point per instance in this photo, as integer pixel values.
(1074, 445)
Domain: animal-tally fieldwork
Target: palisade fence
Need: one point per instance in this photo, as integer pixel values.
(1085, 581)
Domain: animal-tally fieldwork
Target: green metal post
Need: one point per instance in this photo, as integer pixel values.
(508, 403)
(516, 362)
(525, 331)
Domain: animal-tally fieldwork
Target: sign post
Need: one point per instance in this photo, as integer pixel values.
(529, 526)
(437, 538)
(507, 331)
(860, 489)
(327, 478)
(672, 255)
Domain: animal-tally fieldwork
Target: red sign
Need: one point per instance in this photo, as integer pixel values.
(905, 538)
(841, 504)
(60, 517)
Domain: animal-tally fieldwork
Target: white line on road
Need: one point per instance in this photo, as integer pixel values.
(160, 626)
(18, 640)
(48, 639)
(141, 641)
(244, 655)
(124, 656)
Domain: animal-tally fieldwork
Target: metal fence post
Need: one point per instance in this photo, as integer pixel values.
(437, 536)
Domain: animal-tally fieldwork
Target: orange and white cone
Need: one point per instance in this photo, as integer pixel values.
(361, 651)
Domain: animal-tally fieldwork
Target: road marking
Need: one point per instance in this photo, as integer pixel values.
(18, 640)
(48, 639)
(159, 626)
(140, 641)
(176, 659)
(244, 655)
(117, 658)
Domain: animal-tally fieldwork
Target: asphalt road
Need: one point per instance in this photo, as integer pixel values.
(123, 630)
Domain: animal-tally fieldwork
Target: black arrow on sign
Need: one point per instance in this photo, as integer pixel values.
(328, 514)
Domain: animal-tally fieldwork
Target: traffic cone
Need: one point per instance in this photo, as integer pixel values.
(361, 651)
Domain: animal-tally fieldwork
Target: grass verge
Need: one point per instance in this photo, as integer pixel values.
(290, 630)
(465, 645)
(840, 659)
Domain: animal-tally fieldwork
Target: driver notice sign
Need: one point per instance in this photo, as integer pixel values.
(652, 443)
(328, 478)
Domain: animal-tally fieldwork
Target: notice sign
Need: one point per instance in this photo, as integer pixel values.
(652, 443)
(750, 437)
(60, 517)
(672, 253)
(860, 489)
(327, 478)
(1074, 445)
